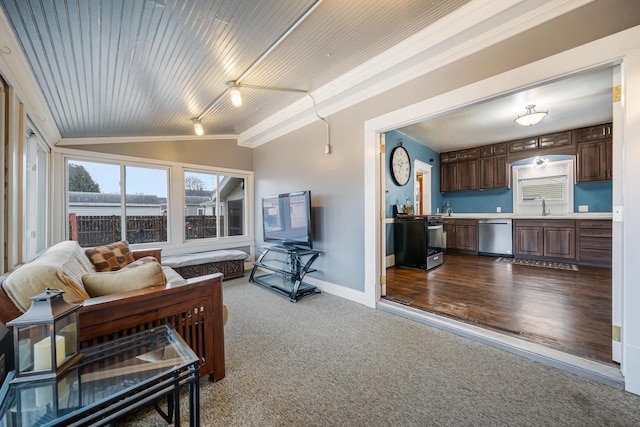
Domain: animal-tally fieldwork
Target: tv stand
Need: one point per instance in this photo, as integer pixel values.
(288, 266)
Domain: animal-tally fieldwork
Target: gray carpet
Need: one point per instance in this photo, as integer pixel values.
(326, 361)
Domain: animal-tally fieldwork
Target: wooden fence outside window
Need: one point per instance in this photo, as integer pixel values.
(96, 230)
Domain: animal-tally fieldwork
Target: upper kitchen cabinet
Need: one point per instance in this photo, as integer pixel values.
(555, 143)
(494, 168)
(459, 170)
(594, 133)
(594, 158)
(488, 166)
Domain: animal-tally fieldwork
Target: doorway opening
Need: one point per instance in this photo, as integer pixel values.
(461, 308)
(422, 190)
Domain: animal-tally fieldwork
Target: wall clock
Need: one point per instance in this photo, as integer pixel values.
(400, 165)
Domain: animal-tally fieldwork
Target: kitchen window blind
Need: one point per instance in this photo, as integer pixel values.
(548, 188)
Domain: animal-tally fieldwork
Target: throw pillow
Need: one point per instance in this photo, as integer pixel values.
(111, 257)
(141, 261)
(126, 279)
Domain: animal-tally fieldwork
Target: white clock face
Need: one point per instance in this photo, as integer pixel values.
(400, 165)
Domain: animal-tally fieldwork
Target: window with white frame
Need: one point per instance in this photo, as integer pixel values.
(214, 205)
(129, 198)
(107, 202)
(550, 185)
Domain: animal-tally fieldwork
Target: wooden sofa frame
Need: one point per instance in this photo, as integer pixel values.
(193, 309)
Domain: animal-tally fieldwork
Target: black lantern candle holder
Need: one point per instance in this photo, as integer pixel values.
(46, 341)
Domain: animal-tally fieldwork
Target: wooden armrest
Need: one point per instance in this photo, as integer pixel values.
(121, 314)
(154, 252)
(98, 311)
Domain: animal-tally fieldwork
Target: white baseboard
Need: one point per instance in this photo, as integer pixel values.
(390, 260)
(331, 288)
(341, 291)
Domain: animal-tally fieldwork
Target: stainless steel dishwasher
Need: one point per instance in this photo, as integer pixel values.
(495, 237)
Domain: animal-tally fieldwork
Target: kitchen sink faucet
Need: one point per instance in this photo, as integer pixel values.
(544, 208)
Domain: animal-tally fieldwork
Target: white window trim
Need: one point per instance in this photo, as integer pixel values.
(534, 207)
(32, 189)
(176, 244)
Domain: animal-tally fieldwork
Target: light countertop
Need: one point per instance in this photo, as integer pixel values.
(575, 215)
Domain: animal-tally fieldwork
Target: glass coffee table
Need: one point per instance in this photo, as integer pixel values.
(109, 381)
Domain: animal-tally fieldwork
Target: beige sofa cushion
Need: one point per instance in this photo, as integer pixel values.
(125, 279)
(111, 257)
(173, 277)
(57, 268)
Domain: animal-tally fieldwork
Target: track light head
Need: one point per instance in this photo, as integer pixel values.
(234, 93)
(197, 126)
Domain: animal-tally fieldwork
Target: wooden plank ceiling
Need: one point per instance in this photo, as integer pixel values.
(117, 68)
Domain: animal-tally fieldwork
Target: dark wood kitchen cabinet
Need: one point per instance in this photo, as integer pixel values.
(459, 170)
(462, 234)
(494, 172)
(552, 140)
(594, 242)
(595, 133)
(595, 157)
(460, 176)
(552, 239)
(595, 161)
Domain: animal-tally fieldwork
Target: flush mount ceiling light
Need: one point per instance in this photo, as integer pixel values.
(531, 117)
(197, 126)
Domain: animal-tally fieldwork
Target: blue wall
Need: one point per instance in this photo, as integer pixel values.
(597, 195)
(395, 194)
(480, 201)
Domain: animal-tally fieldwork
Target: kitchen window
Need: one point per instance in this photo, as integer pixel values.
(552, 184)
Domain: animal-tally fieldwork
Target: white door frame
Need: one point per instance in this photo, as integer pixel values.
(424, 169)
(622, 47)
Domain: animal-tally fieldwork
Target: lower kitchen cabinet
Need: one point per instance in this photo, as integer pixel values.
(528, 240)
(560, 242)
(594, 242)
(554, 239)
(462, 234)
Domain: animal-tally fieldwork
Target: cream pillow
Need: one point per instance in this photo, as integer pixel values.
(126, 279)
(57, 268)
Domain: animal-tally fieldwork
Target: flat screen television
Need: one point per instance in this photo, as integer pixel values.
(286, 219)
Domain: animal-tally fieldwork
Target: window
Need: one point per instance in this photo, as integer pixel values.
(552, 184)
(131, 198)
(145, 204)
(214, 205)
(548, 188)
(98, 214)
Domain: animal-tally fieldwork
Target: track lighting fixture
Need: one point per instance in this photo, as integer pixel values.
(234, 93)
(197, 126)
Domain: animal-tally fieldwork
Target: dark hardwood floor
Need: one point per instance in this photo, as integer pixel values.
(565, 310)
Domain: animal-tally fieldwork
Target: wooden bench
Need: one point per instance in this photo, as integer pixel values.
(229, 262)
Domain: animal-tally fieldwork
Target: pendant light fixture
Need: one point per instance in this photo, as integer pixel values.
(531, 117)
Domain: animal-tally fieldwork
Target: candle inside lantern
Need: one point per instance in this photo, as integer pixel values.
(42, 353)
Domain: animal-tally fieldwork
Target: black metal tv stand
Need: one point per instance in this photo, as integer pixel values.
(289, 265)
